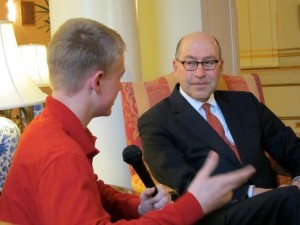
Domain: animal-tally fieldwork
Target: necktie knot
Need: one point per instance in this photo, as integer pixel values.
(206, 107)
(213, 120)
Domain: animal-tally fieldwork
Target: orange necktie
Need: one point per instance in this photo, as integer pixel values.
(216, 124)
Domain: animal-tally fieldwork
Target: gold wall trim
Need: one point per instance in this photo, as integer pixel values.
(266, 53)
(289, 117)
(281, 85)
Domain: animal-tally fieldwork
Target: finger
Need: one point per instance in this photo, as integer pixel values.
(161, 193)
(236, 178)
(147, 193)
(161, 203)
(210, 164)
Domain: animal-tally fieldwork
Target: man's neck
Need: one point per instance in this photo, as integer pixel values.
(76, 103)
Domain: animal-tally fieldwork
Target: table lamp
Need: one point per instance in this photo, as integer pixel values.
(34, 58)
(17, 91)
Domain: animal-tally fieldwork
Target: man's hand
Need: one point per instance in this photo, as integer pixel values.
(212, 192)
(149, 203)
(296, 183)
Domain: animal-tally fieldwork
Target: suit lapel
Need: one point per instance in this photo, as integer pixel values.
(232, 114)
(188, 117)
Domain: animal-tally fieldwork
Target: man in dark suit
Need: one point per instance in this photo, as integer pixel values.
(177, 136)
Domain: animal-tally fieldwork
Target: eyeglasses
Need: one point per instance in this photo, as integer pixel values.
(209, 64)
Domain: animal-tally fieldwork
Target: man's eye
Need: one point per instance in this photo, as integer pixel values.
(190, 62)
(209, 62)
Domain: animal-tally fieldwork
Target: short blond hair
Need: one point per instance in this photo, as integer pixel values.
(80, 47)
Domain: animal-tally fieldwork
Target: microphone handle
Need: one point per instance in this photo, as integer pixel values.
(145, 176)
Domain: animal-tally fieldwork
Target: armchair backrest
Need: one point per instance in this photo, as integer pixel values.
(137, 97)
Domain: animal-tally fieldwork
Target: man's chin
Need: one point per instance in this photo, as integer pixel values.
(108, 113)
(201, 97)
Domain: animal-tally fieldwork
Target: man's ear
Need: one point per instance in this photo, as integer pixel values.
(174, 66)
(221, 66)
(96, 80)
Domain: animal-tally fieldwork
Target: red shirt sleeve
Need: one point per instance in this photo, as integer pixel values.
(68, 197)
(67, 193)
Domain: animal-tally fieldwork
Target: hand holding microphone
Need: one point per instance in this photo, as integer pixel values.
(211, 192)
(132, 155)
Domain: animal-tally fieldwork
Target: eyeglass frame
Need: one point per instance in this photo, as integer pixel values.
(198, 62)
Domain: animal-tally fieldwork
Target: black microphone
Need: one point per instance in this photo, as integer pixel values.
(132, 155)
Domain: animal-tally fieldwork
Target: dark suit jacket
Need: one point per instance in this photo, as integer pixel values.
(176, 140)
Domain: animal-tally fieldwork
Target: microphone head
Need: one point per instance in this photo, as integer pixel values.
(132, 154)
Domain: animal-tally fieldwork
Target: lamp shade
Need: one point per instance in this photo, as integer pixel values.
(34, 58)
(17, 89)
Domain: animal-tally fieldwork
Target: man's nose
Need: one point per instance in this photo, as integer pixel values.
(200, 71)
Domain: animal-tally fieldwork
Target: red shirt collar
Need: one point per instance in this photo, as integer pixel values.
(72, 125)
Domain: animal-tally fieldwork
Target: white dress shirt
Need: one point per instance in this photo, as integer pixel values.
(215, 109)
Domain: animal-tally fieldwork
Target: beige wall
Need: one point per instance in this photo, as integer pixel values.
(288, 26)
(149, 48)
(161, 24)
(269, 33)
(29, 34)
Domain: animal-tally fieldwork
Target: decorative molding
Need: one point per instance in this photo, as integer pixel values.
(289, 117)
(281, 85)
(266, 53)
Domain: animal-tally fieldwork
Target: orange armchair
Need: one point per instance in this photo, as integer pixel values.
(137, 97)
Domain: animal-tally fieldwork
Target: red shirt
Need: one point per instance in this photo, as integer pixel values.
(51, 180)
